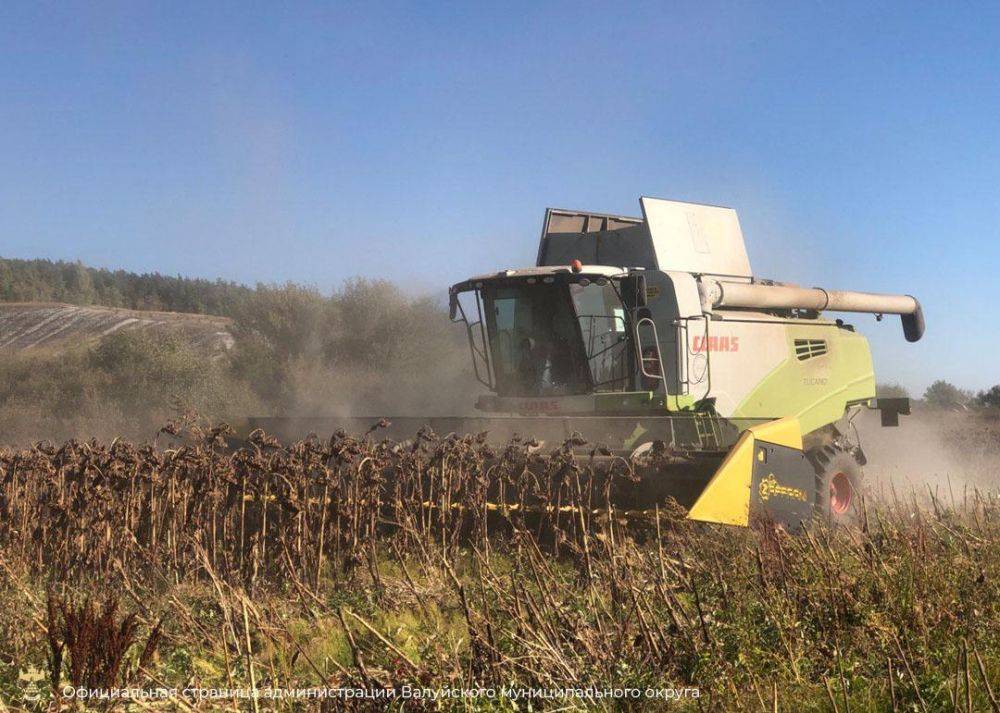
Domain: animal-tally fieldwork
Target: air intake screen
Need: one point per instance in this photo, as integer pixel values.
(809, 348)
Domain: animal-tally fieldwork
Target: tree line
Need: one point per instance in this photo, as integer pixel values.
(75, 283)
(944, 394)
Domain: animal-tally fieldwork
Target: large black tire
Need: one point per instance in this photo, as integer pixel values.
(839, 485)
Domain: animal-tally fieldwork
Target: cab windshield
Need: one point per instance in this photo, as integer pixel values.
(556, 338)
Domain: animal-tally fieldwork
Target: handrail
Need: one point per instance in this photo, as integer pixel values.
(641, 349)
(477, 353)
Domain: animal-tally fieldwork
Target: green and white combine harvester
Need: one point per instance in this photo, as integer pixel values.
(652, 336)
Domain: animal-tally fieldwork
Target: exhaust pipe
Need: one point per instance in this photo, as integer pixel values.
(758, 296)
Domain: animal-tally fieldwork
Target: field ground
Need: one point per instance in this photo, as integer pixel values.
(365, 567)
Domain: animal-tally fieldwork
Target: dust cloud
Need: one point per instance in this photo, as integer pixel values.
(946, 454)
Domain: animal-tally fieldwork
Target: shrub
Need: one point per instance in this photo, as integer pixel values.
(942, 394)
(892, 391)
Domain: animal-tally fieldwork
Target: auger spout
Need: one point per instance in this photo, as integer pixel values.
(722, 294)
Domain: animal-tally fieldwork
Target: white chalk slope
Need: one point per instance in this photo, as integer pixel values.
(34, 325)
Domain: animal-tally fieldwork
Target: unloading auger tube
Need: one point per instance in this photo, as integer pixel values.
(717, 293)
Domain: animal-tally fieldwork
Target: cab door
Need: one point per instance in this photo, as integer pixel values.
(672, 298)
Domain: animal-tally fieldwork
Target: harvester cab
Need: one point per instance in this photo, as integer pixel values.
(652, 334)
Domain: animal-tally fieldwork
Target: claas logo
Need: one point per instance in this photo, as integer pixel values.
(716, 344)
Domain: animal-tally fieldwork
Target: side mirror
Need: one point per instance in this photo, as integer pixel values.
(453, 305)
(634, 290)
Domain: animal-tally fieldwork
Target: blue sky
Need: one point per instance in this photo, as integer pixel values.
(421, 142)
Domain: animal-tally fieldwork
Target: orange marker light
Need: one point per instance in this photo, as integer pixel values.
(576, 266)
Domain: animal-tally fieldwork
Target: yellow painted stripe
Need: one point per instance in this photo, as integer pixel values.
(726, 498)
(782, 432)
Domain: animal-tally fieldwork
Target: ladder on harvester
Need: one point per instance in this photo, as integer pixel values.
(707, 427)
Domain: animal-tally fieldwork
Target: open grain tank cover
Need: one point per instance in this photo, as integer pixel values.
(671, 235)
(690, 237)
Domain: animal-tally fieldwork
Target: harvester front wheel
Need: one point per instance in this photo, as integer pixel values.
(839, 484)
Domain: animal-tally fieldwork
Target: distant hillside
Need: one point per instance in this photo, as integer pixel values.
(74, 283)
(98, 352)
(34, 325)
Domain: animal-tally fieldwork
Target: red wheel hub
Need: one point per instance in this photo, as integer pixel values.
(841, 493)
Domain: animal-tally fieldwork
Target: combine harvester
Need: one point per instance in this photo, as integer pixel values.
(651, 335)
